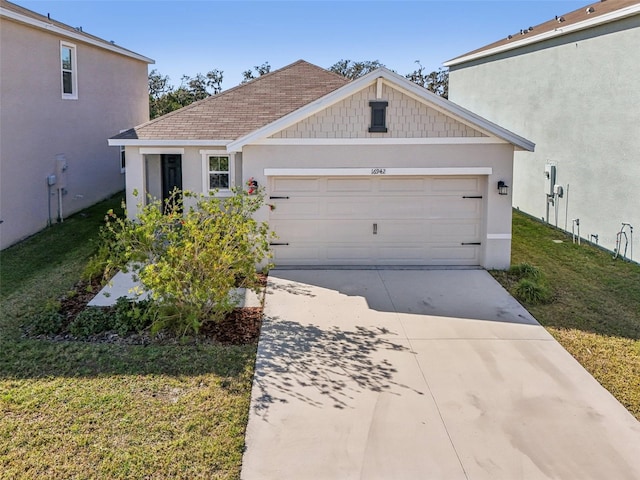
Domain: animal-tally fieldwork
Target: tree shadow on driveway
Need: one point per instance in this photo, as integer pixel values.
(321, 366)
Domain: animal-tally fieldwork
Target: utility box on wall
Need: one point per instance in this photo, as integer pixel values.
(549, 178)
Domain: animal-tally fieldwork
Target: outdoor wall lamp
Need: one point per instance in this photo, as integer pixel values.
(503, 188)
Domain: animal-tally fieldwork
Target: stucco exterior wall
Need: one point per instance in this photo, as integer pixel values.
(577, 97)
(37, 124)
(497, 209)
(351, 118)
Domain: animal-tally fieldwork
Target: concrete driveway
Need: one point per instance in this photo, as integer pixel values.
(422, 374)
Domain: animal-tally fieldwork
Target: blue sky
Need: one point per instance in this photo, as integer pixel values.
(195, 36)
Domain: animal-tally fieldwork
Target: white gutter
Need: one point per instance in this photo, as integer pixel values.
(132, 142)
(591, 22)
(70, 34)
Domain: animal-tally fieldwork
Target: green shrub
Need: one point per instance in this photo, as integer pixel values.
(131, 316)
(190, 259)
(91, 321)
(531, 292)
(48, 321)
(525, 270)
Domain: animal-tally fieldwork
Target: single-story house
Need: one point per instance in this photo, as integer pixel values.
(374, 171)
(571, 83)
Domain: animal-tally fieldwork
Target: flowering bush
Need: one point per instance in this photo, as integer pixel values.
(191, 260)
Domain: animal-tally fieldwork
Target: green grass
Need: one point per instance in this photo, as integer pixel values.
(83, 410)
(594, 304)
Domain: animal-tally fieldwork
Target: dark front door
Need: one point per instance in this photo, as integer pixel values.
(171, 174)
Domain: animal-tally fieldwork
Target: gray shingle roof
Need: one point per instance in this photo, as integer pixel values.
(242, 109)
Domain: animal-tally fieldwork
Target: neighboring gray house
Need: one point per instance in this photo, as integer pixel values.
(374, 171)
(572, 85)
(63, 92)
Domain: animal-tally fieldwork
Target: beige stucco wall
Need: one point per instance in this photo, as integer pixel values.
(36, 124)
(578, 98)
(497, 209)
(351, 118)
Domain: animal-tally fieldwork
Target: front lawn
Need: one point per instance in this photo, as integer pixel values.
(89, 410)
(594, 304)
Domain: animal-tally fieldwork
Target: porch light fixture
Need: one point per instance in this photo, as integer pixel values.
(503, 188)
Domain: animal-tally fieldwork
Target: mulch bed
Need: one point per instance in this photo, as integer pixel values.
(240, 327)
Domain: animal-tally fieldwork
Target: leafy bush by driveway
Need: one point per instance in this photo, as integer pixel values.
(191, 259)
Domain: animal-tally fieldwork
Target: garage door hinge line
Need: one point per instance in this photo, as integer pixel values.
(472, 196)
(278, 198)
(278, 243)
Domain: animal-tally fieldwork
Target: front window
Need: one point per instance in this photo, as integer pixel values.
(68, 70)
(218, 173)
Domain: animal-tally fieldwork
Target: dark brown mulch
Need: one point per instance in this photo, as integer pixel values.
(84, 291)
(241, 326)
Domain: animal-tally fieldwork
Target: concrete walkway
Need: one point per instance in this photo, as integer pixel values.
(418, 374)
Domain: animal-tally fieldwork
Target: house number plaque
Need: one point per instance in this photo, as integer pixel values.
(378, 171)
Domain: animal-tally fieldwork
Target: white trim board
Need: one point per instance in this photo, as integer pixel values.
(381, 141)
(161, 151)
(498, 236)
(121, 142)
(375, 172)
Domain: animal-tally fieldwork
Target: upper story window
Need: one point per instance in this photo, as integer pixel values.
(378, 116)
(218, 173)
(69, 70)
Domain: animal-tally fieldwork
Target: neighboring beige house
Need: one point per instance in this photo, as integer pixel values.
(63, 92)
(376, 171)
(571, 84)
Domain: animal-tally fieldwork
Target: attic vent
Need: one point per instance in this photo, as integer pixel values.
(559, 19)
(378, 117)
(590, 10)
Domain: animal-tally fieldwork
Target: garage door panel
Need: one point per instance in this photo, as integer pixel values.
(400, 231)
(391, 207)
(401, 185)
(348, 185)
(455, 232)
(454, 186)
(303, 207)
(348, 253)
(306, 231)
(454, 207)
(283, 255)
(461, 255)
(354, 207)
(401, 255)
(285, 185)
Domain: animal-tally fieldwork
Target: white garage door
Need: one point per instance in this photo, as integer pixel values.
(376, 220)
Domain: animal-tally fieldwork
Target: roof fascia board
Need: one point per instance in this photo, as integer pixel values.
(69, 34)
(395, 80)
(591, 22)
(128, 142)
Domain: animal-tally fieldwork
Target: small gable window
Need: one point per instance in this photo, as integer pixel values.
(378, 116)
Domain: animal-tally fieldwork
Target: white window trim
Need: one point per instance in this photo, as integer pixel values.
(74, 71)
(205, 171)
